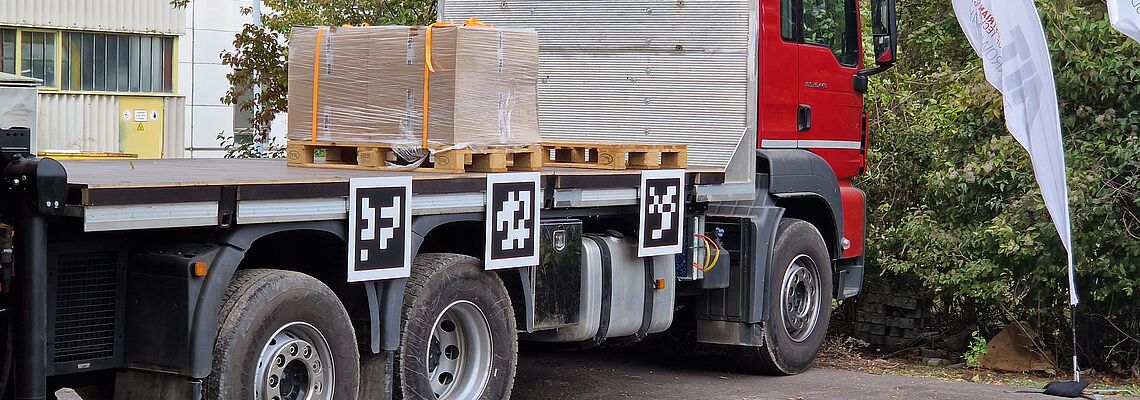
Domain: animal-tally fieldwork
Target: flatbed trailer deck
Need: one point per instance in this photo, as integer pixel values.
(147, 194)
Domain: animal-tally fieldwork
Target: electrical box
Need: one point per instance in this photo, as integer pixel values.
(18, 102)
(141, 126)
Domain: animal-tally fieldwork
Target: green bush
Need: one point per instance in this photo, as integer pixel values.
(976, 350)
(953, 201)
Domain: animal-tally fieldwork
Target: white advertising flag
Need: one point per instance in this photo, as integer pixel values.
(1007, 34)
(1125, 17)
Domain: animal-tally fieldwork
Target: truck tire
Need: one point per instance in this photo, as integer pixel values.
(282, 335)
(458, 340)
(799, 303)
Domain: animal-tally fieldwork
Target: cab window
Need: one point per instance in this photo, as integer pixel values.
(787, 20)
(831, 23)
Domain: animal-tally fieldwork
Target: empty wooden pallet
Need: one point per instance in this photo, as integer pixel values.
(373, 156)
(615, 155)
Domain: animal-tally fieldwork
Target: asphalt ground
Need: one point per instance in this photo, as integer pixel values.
(628, 374)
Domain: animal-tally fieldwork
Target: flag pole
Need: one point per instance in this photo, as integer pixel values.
(1073, 325)
(1074, 300)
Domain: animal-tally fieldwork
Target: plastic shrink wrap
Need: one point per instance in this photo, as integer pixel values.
(367, 85)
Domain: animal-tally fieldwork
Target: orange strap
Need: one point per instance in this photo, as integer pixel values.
(429, 68)
(317, 80)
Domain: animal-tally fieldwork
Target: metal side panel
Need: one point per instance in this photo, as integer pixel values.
(78, 122)
(651, 97)
(143, 16)
(183, 215)
(272, 211)
(640, 70)
(174, 127)
(173, 215)
(275, 211)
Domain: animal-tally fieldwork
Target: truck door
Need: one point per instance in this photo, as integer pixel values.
(830, 112)
(779, 69)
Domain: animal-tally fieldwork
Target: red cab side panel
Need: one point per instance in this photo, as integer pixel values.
(854, 217)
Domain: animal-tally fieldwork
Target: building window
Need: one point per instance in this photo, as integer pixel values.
(86, 61)
(8, 50)
(243, 118)
(37, 56)
(117, 63)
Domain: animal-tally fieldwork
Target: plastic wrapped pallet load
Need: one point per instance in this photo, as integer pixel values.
(366, 85)
(347, 87)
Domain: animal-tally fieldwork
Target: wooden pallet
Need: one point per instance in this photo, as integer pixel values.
(376, 156)
(615, 155)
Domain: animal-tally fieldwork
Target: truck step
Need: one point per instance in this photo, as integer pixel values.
(376, 156)
(615, 156)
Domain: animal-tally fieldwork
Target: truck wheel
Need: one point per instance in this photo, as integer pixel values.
(800, 307)
(283, 336)
(458, 337)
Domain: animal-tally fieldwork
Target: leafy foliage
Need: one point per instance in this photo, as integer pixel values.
(244, 147)
(954, 204)
(260, 55)
(976, 350)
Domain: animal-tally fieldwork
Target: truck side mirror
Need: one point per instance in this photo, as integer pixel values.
(885, 31)
(885, 36)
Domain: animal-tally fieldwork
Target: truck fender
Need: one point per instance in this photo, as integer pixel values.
(235, 243)
(800, 174)
(763, 217)
(783, 175)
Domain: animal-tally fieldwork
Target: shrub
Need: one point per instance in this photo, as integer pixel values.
(976, 350)
(953, 201)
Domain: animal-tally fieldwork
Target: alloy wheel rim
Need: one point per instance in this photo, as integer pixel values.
(295, 364)
(458, 358)
(800, 298)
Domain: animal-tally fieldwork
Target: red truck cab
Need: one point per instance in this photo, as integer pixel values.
(820, 108)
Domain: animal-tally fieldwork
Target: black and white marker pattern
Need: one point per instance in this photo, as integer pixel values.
(380, 236)
(513, 206)
(662, 213)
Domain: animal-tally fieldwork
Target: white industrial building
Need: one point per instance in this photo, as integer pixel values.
(126, 77)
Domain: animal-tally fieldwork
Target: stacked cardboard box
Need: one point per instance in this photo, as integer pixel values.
(366, 85)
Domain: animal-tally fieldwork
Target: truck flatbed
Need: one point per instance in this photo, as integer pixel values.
(143, 194)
